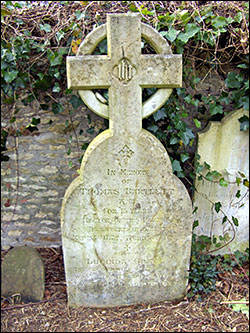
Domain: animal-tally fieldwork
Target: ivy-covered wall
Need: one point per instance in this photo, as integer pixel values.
(46, 127)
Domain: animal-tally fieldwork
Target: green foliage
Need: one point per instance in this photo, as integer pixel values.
(204, 268)
(244, 123)
(241, 307)
(229, 262)
(203, 272)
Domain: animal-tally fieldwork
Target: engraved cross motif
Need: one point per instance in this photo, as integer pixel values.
(124, 71)
(126, 152)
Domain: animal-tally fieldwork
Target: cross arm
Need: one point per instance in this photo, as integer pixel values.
(88, 72)
(161, 71)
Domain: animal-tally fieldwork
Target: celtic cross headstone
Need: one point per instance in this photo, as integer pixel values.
(126, 220)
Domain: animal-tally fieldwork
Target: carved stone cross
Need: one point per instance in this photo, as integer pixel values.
(124, 71)
(126, 220)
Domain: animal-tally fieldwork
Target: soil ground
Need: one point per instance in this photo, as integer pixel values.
(209, 313)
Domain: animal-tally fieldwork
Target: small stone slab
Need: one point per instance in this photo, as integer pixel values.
(23, 272)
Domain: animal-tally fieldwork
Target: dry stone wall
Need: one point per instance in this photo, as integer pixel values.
(34, 179)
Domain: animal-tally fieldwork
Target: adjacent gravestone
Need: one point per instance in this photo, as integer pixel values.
(126, 220)
(23, 272)
(226, 149)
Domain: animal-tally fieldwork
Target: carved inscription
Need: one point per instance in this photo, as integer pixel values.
(125, 225)
(124, 71)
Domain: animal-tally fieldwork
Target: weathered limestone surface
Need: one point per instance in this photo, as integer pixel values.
(23, 272)
(40, 168)
(126, 220)
(226, 149)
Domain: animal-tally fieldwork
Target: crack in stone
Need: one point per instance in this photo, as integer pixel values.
(100, 259)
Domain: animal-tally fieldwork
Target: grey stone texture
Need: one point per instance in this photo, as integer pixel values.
(23, 273)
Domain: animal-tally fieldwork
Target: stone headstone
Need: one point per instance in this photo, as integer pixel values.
(126, 220)
(226, 149)
(23, 272)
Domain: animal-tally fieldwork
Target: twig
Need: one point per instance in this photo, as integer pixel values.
(31, 304)
(234, 302)
(242, 269)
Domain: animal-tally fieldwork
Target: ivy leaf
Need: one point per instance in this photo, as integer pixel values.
(197, 123)
(235, 221)
(219, 21)
(160, 114)
(224, 98)
(56, 60)
(10, 76)
(216, 173)
(153, 128)
(59, 35)
(35, 121)
(186, 136)
(238, 17)
(90, 130)
(209, 176)
(176, 166)
(57, 108)
(191, 29)
(79, 14)
(85, 146)
(195, 224)
(217, 207)
(224, 219)
(242, 66)
(215, 108)
(238, 181)
(244, 308)
(184, 157)
(171, 34)
(184, 16)
(233, 80)
(238, 194)
(173, 141)
(244, 102)
(56, 87)
(246, 183)
(75, 101)
(46, 27)
(223, 182)
(207, 166)
(244, 123)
